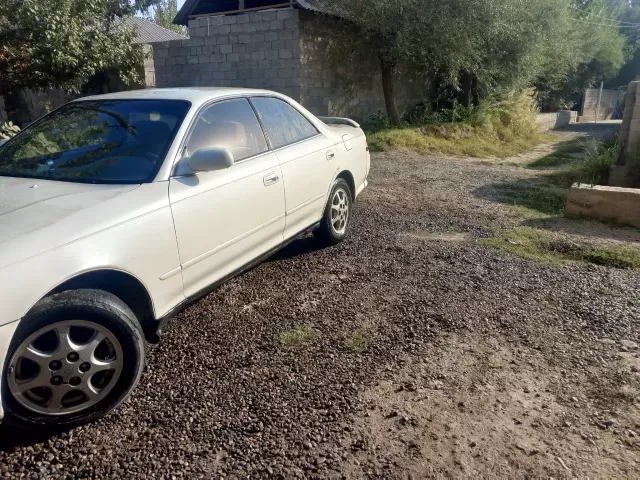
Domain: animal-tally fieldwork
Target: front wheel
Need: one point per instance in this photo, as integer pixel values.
(337, 215)
(73, 359)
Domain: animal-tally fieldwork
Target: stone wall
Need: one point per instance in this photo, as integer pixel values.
(252, 50)
(286, 50)
(620, 205)
(341, 78)
(26, 106)
(551, 121)
(609, 105)
(149, 67)
(626, 171)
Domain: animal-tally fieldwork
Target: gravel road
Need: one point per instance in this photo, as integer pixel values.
(434, 356)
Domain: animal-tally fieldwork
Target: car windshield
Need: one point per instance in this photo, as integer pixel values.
(108, 141)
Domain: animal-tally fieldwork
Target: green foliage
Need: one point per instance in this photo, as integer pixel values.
(497, 128)
(600, 157)
(376, 122)
(8, 130)
(467, 50)
(554, 249)
(164, 11)
(589, 50)
(61, 44)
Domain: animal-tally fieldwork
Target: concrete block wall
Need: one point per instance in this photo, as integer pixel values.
(626, 171)
(551, 121)
(253, 50)
(337, 80)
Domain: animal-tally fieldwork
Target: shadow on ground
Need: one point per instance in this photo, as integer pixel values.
(298, 248)
(533, 194)
(11, 438)
(595, 130)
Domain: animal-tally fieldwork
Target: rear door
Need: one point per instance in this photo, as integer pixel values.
(308, 161)
(226, 218)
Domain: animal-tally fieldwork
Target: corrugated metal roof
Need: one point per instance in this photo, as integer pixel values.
(329, 7)
(149, 32)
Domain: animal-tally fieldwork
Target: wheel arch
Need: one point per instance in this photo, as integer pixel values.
(123, 285)
(347, 176)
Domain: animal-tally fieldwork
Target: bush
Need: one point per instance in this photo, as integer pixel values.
(376, 122)
(600, 157)
(497, 128)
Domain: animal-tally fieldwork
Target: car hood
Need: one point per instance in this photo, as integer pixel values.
(27, 205)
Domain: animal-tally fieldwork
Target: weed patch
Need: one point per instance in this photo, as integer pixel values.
(359, 341)
(494, 129)
(298, 336)
(554, 249)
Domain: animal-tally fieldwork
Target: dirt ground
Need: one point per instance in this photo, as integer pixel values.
(432, 355)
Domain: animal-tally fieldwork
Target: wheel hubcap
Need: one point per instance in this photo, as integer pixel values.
(65, 367)
(339, 211)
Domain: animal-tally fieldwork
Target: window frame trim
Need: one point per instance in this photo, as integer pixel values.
(194, 122)
(247, 97)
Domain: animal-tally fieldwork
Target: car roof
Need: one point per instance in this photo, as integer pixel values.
(195, 95)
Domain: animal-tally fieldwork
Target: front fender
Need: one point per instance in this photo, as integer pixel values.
(145, 247)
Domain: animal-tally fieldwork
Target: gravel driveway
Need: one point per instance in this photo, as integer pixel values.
(432, 355)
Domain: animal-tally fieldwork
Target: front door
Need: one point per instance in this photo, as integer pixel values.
(226, 218)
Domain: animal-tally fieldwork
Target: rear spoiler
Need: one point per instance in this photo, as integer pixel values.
(339, 121)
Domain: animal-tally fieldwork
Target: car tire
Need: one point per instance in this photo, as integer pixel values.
(336, 220)
(115, 344)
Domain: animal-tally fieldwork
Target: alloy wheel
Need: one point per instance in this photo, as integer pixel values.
(65, 367)
(340, 211)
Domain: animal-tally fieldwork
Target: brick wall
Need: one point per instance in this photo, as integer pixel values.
(251, 50)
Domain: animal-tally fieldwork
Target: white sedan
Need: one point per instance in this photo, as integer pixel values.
(117, 210)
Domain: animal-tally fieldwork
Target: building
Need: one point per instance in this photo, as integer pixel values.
(287, 46)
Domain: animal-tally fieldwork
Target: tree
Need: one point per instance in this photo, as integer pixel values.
(47, 44)
(469, 49)
(164, 12)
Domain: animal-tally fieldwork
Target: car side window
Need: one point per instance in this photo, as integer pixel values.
(230, 124)
(283, 123)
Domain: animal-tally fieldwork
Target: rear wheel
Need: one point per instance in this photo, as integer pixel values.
(73, 359)
(337, 215)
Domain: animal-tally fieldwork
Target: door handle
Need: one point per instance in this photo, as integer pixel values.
(271, 179)
(331, 155)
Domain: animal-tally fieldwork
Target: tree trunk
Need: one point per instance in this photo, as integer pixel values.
(388, 70)
(466, 86)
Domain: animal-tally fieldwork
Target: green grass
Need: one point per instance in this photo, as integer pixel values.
(359, 341)
(497, 128)
(553, 249)
(299, 336)
(529, 196)
(578, 162)
(456, 139)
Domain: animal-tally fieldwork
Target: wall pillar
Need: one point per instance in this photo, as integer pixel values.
(626, 171)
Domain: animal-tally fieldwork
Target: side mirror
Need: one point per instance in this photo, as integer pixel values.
(210, 159)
